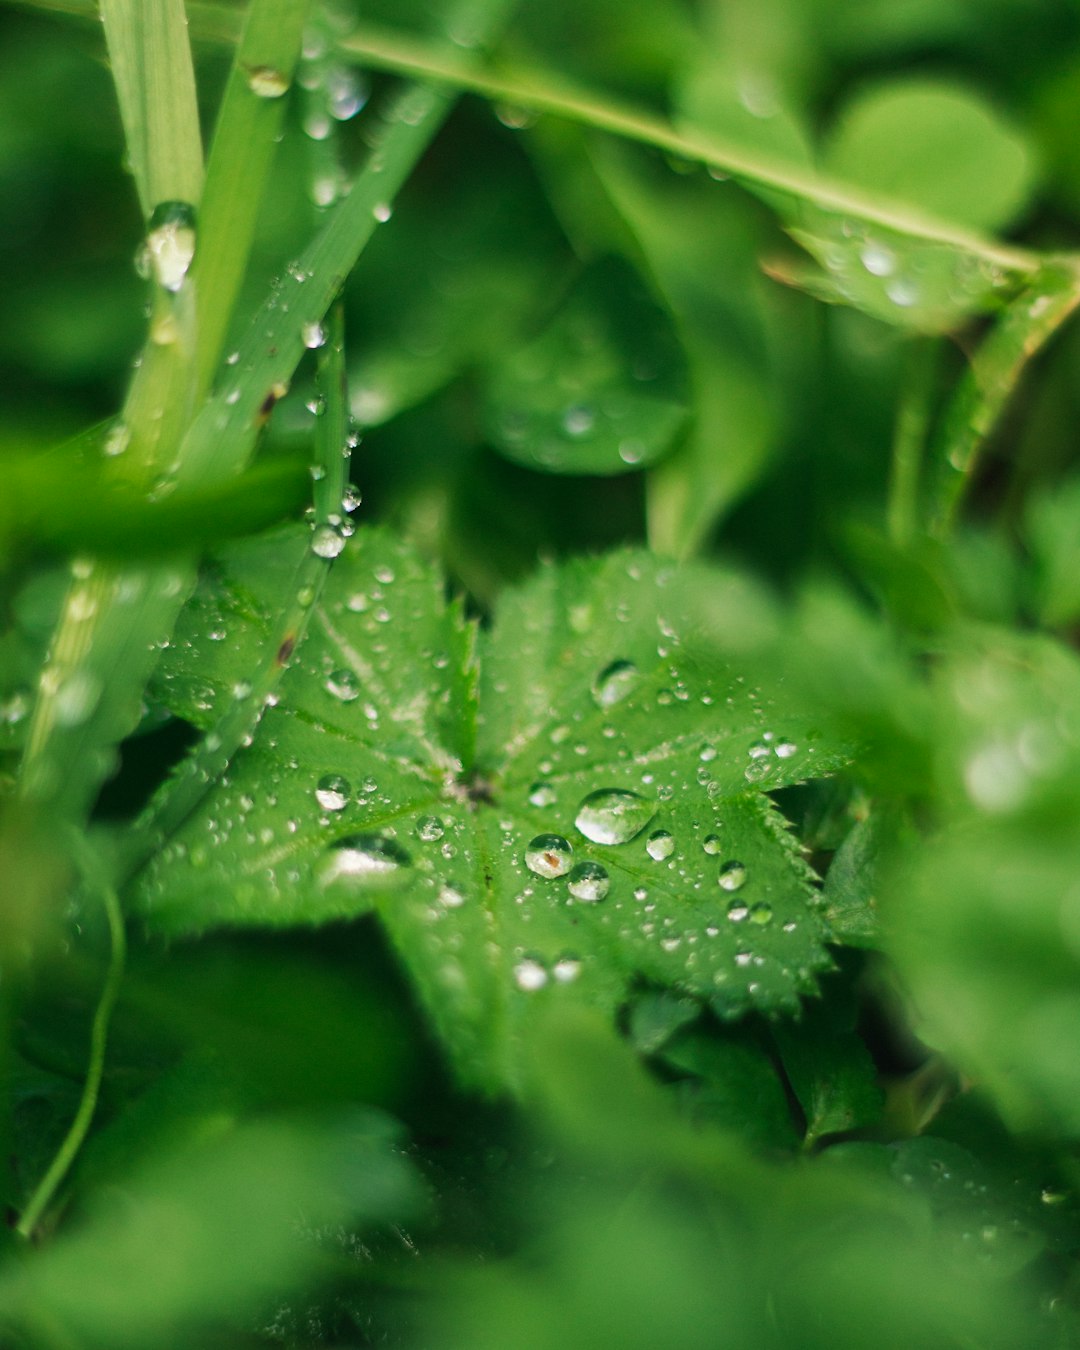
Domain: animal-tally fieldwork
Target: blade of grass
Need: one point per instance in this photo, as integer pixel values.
(155, 85)
(201, 769)
(909, 438)
(996, 369)
(241, 155)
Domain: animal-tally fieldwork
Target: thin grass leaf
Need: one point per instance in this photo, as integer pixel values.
(996, 369)
(155, 83)
(238, 168)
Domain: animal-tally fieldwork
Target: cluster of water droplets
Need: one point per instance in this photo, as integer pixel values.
(904, 280)
(333, 93)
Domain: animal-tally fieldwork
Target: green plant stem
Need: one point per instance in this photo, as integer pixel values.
(909, 438)
(65, 1155)
(996, 369)
(546, 92)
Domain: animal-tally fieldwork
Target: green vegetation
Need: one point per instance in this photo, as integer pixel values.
(540, 718)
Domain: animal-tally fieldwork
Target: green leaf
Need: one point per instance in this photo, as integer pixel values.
(981, 915)
(733, 1085)
(391, 776)
(936, 145)
(602, 389)
(829, 1068)
(208, 1231)
(851, 885)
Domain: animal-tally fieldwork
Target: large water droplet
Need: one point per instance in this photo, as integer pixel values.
(343, 684)
(732, 875)
(530, 975)
(313, 335)
(549, 855)
(366, 860)
(170, 243)
(332, 792)
(614, 682)
(430, 828)
(711, 843)
(613, 816)
(588, 882)
(660, 844)
(346, 92)
(327, 542)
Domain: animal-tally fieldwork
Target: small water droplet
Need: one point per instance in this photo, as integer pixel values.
(613, 815)
(542, 794)
(327, 542)
(530, 975)
(366, 860)
(737, 910)
(878, 260)
(578, 420)
(313, 335)
(761, 913)
(332, 792)
(430, 828)
(732, 875)
(343, 684)
(450, 897)
(549, 855)
(588, 882)
(382, 211)
(707, 753)
(660, 844)
(118, 439)
(711, 843)
(266, 82)
(614, 682)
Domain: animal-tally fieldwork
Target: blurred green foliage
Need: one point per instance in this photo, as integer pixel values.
(843, 421)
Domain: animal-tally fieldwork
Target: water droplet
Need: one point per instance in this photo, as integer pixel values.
(351, 499)
(450, 897)
(566, 969)
(613, 816)
(530, 975)
(785, 749)
(313, 335)
(77, 697)
(332, 792)
(614, 682)
(761, 913)
(430, 828)
(266, 82)
(878, 260)
(327, 542)
(578, 420)
(707, 753)
(118, 439)
(542, 794)
(737, 911)
(588, 882)
(346, 93)
(902, 292)
(343, 684)
(364, 860)
(711, 843)
(732, 875)
(382, 211)
(660, 845)
(549, 855)
(170, 243)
